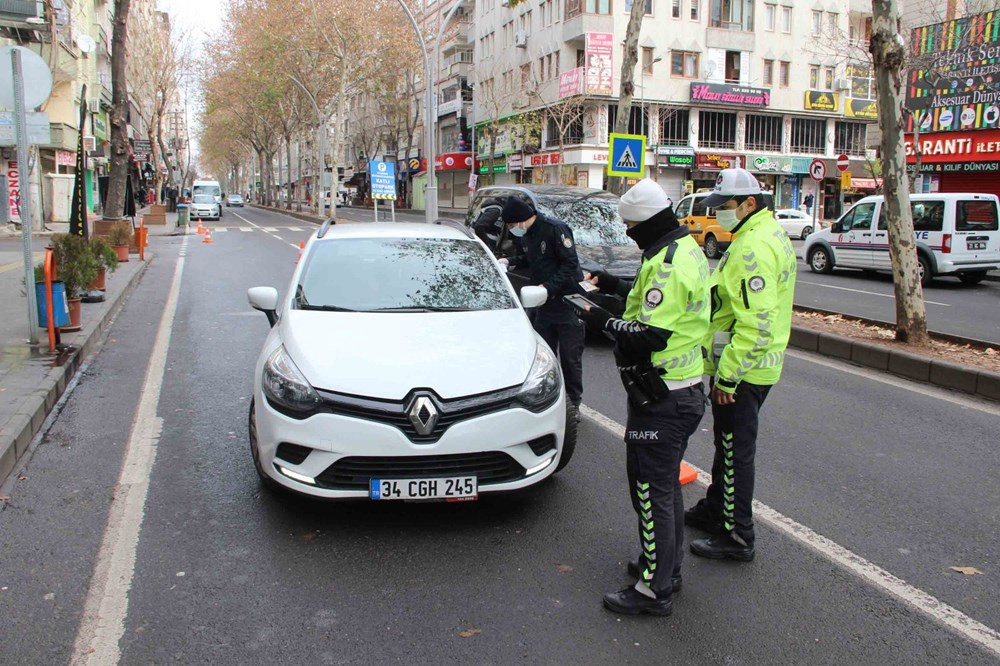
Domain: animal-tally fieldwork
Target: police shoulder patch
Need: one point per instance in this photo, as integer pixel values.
(543, 247)
(756, 284)
(567, 241)
(653, 297)
(722, 262)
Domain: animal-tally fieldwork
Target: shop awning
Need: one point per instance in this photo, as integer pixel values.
(864, 184)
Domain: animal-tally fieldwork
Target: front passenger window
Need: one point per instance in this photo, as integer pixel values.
(683, 208)
(861, 217)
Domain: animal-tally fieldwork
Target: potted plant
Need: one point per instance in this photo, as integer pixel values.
(107, 260)
(76, 267)
(119, 236)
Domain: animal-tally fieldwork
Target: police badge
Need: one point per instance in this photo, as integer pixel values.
(653, 298)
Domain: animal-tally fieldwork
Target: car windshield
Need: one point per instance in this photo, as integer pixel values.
(203, 198)
(593, 218)
(401, 275)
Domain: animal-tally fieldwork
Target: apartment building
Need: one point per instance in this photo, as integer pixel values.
(766, 85)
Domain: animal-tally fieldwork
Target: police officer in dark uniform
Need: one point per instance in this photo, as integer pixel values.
(488, 226)
(550, 255)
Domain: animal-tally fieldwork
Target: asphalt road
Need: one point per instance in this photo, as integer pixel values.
(226, 572)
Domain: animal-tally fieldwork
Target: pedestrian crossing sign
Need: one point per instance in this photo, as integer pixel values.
(627, 156)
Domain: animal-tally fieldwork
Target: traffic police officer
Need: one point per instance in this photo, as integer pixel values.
(489, 225)
(550, 255)
(658, 351)
(752, 290)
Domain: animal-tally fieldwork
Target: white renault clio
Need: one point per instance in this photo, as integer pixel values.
(400, 365)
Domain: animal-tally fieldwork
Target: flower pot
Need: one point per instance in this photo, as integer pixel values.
(60, 312)
(122, 251)
(100, 283)
(74, 316)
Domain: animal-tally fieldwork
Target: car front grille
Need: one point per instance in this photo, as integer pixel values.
(356, 472)
(396, 412)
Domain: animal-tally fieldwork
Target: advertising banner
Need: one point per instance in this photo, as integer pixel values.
(13, 191)
(822, 100)
(599, 55)
(721, 93)
(716, 161)
(571, 83)
(965, 152)
(862, 109)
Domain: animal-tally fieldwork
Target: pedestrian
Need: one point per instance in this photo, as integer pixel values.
(752, 290)
(808, 201)
(550, 256)
(658, 353)
(489, 223)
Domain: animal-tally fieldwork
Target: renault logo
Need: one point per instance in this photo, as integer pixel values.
(423, 414)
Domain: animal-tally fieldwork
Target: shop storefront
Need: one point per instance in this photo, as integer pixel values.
(957, 161)
(708, 165)
(673, 168)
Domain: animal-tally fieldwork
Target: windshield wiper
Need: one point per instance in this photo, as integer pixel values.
(324, 308)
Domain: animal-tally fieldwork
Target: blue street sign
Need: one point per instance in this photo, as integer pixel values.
(627, 156)
(383, 177)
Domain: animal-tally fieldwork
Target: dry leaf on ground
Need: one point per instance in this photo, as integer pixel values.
(968, 571)
(469, 633)
(563, 568)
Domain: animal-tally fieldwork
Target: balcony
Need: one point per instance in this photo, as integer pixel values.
(575, 28)
(729, 39)
(19, 10)
(861, 7)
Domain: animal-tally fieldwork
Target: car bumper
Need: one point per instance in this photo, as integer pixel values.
(967, 266)
(479, 445)
(204, 213)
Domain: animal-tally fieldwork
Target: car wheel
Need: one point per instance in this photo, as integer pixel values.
(974, 277)
(265, 480)
(569, 441)
(711, 247)
(806, 231)
(819, 261)
(924, 270)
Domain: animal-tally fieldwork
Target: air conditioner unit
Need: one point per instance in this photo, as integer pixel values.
(842, 84)
(521, 40)
(89, 144)
(94, 105)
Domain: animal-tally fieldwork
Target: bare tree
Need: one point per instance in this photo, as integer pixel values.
(628, 73)
(115, 206)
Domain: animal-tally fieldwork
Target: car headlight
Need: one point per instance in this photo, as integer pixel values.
(284, 384)
(541, 388)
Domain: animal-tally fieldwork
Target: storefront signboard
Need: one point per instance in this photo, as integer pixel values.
(543, 159)
(717, 161)
(599, 77)
(515, 162)
(955, 147)
(769, 164)
(801, 164)
(822, 100)
(571, 83)
(721, 93)
(862, 109)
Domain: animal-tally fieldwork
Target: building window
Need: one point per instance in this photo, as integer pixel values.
(817, 23)
(732, 14)
(814, 77)
(830, 72)
(674, 127)
(675, 9)
(573, 8)
(808, 135)
(770, 15)
(763, 133)
(597, 6)
(783, 68)
(768, 72)
(695, 10)
(850, 138)
(647, 60)
(581, 57)
(717, 129)
(637, 120)
(862, 83)
(572, 134)
(733, 67)
(684, 64)
(831, 23)
(648, 7)
(786, 19)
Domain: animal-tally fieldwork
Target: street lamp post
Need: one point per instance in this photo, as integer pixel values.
(642, 84)
(321, 150)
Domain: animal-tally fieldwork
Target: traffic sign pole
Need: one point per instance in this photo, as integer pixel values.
(20, 121)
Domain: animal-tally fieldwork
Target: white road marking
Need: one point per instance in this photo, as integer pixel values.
(861, 291)
(220, 229)
(257, 226)
(278, 237)
(962, 400)
(293, 228)
(244, 228)
(106, 606)
(269, 229)
(919, 600)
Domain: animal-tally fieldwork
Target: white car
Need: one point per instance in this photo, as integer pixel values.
(796, 223)
(205, 207)
(400, 365)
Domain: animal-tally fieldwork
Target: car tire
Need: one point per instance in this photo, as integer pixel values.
(820, 260)
(265, 480)
(569, 440)
(972, 277)
(806, 231)
(926, 274)
(712, 247)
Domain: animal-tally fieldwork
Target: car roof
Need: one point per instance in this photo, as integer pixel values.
(393, 230)
(919, 196)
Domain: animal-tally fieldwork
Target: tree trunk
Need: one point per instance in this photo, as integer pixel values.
(115, 206)
(279, 185)
(616, 184)
(288, 161)
(888, 56)
(298, 180)
(261, 193)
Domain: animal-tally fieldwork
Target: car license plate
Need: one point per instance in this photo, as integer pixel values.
(977, 245)
(454, 488)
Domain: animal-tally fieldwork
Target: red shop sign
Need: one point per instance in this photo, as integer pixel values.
(939, 147)
(453, 162)
(717, 161)
(545, 159)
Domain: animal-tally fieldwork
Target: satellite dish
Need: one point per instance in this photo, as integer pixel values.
(86, 43)
(34, 73)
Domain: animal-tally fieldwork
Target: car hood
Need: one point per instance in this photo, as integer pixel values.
(386, 355)
(619, 260)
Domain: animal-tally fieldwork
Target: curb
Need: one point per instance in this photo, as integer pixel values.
(17, 433)
(980, 383)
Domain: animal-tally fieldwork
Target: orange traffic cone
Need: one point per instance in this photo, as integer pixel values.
(208, 236)
(688, 475)
(302, 246)
(201, 231)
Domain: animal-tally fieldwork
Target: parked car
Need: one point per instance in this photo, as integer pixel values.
(235, 200)
(471, 403)
(796, 223)
(704, 228)
(205, 207)
(956, 234)
(599, 233)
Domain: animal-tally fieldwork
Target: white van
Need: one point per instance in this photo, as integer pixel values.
(211, 187)
(957, 234)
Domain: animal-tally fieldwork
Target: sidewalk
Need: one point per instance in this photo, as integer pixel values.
(31, 379)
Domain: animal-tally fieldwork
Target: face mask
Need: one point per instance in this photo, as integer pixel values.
(728, 219)
(518, 232)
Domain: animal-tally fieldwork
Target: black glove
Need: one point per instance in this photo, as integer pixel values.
(606, 282)
(595, 316)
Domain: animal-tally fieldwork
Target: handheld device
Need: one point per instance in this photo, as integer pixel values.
(588, 287)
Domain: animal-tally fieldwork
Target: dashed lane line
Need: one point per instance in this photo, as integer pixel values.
(268, 230)
(862, 291)
(937, 610)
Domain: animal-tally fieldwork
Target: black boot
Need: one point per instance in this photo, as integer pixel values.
(700, 517)
(630, 601)
(721, 547)
(675, 581)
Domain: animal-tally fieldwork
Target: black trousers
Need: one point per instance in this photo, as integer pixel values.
(565, 335)
(656, 438)
(731, 494)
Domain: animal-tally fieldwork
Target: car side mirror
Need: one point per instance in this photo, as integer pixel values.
(533, 297)
(264, 299)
